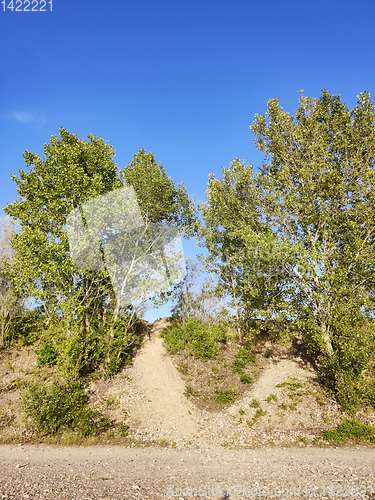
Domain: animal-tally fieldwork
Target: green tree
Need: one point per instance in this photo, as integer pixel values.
(166, 208)
(240, 243)
(71, 172)
(81, 312)
(307, 220)
(159, 199)
(11, 303)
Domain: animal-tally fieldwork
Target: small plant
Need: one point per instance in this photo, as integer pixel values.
(5, 419)
(283, 406)
(304, 440)
(254, 403)
(326, 418)
(190, 392)
(10, 366)
(271, 397)
(215, 371)
(241, 411)
(111, 402)
(243, 357)
(259, 413)
(226, 395)
(291, 384)
(320, 400)
(184, 369)
(294, 394)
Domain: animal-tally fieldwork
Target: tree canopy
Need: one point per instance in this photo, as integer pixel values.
(296, 240)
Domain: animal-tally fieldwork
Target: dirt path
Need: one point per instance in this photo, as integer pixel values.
(158, 409)
(163, 405)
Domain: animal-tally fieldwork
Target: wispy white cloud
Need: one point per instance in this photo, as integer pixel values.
(25, 117)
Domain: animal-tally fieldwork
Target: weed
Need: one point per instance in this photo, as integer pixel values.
(326, 418)
(241, 411)
(283, 406)
(215, 371)
(320, 400)
(226, 395)
(111, 402)
(5, 419)
(190, 392)
(184, 369)
(271, 397)
(254, 403)
(259, 413)
(243, 357)
(291, 384)
(246, 379)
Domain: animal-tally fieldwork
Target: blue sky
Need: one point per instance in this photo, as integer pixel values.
(182, 79)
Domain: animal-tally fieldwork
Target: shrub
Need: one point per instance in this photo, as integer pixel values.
(62, 406)
(107, 347)
(243, 357)
(351, 430)
(246, 379)
(47, 355)
(200, 339)
(226, 395)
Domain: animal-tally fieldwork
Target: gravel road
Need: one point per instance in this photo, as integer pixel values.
(47, 472)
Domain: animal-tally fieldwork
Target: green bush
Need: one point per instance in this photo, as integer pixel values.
(106, 348)
(243, 357)
(197, 337)
(47, 355)
(226, 395)
(351, 430)
(246, 379)
(62, 406)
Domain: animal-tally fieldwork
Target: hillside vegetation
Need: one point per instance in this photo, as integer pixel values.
(289, 251)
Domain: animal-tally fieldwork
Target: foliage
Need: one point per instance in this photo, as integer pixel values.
(71, 172)
(159, 199)
(351, 430)
(243, 357)
(200, 339)
(12, 303)
(226, 395)
(105, 349)
(246, 379)
(62, 406)
(295, 242)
